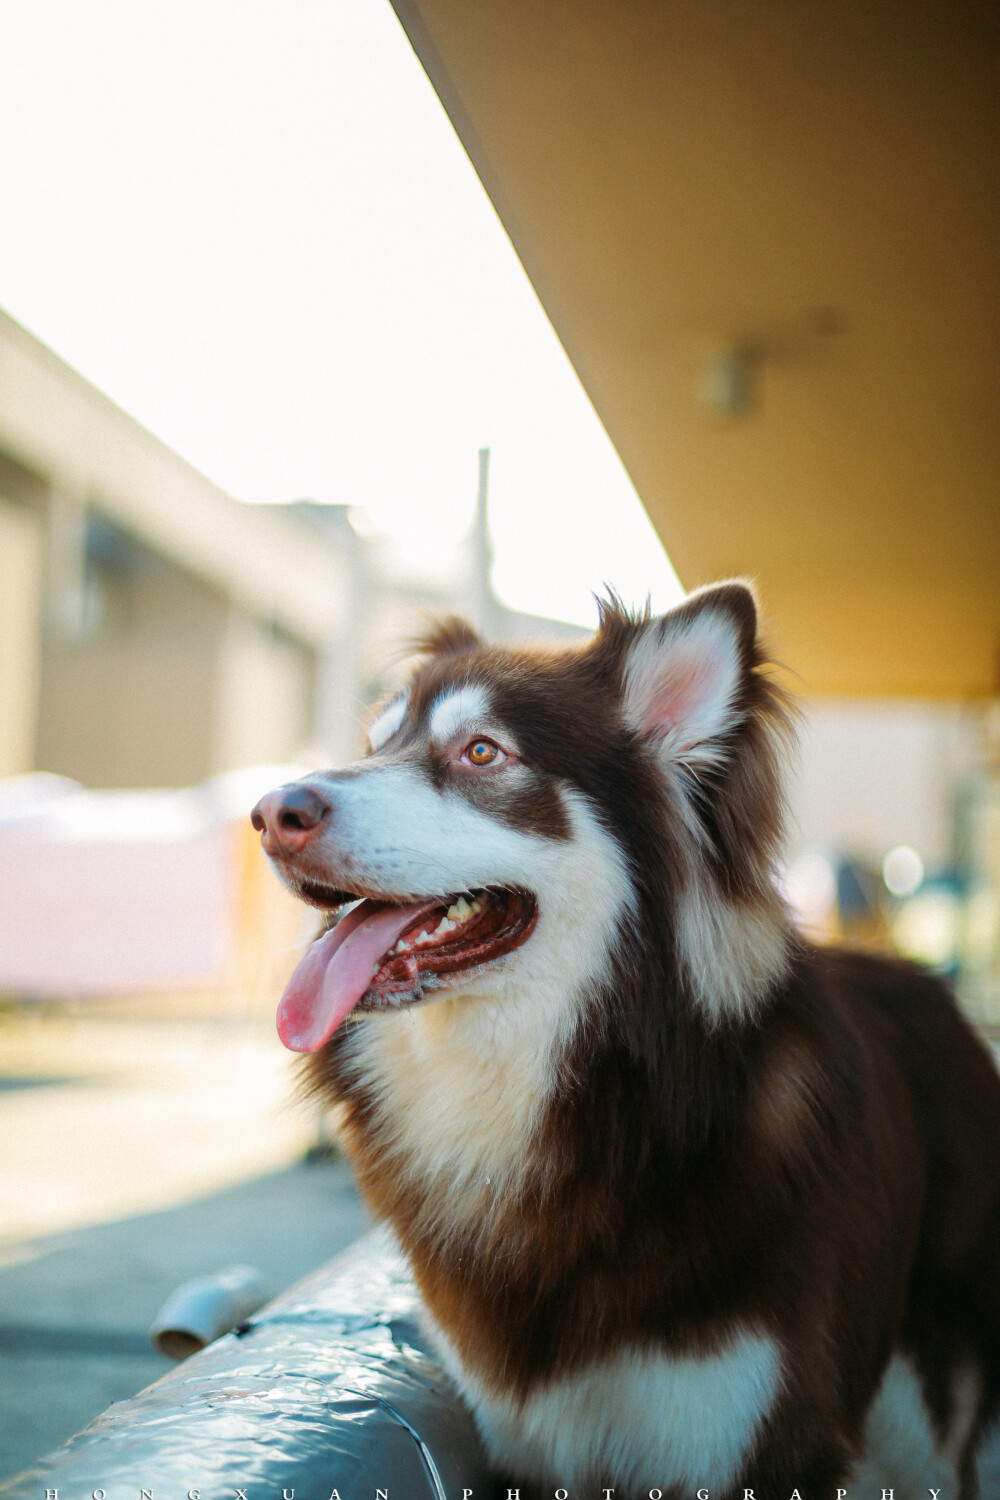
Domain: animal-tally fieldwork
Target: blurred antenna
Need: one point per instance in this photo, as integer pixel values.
(481, 601)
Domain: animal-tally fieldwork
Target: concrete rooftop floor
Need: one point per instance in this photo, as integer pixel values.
(139, 1149)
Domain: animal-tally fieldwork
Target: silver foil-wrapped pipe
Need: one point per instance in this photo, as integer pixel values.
(329, 1387)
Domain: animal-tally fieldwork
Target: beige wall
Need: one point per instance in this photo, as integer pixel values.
(161, 680)
(132, 712)
(170, 707)
(874, 773)
(21, 562)
(264, 697)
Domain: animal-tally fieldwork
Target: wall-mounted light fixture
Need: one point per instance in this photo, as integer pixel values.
(727, 386)
(730, 371)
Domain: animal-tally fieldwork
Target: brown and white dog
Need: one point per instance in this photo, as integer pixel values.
(690, 1203)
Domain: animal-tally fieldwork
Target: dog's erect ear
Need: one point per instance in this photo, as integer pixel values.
(450, 636)
(685, 672)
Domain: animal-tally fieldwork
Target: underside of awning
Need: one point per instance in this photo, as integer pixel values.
(767, 234)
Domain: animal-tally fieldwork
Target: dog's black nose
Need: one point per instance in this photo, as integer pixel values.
(288, 817)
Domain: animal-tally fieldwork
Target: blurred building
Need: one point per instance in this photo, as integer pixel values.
(153, 630)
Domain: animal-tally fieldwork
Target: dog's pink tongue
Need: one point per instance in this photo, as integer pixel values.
(338, 968)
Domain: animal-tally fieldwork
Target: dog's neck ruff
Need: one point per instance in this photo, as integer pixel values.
(732, 957)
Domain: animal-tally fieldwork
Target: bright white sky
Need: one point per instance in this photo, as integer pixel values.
(252, 225)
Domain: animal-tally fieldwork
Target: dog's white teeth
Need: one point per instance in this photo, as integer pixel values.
(461, 910)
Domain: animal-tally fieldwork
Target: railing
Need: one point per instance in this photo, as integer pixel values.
(330, 1391)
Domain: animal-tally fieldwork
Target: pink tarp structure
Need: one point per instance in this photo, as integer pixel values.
(113, 892)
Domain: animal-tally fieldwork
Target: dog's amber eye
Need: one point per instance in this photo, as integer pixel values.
(483, 753)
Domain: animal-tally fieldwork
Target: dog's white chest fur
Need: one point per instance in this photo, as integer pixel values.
(461, 1082)
(636, 1418)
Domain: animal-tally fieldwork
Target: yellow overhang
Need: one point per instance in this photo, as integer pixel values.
(767, 234)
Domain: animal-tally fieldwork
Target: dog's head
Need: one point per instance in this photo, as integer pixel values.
(528, 819)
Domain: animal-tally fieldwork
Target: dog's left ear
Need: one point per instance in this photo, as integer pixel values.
(685, 671)
(448, 636)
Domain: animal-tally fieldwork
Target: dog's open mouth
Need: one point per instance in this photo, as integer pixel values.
(380, 952)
